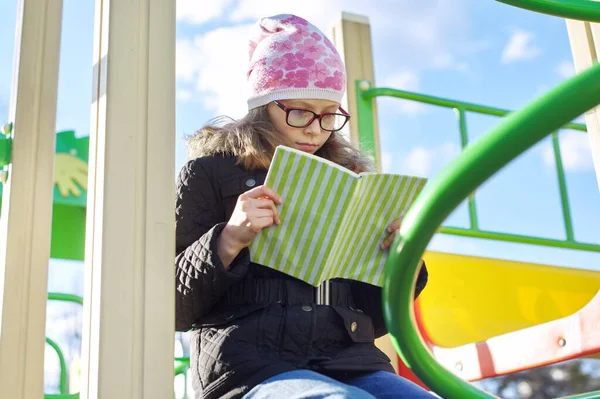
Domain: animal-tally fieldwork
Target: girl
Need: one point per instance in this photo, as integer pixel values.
(258, 333)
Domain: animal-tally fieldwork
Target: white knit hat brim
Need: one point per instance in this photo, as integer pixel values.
(294, 93)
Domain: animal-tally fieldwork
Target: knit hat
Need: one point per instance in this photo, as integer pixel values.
(292, 59)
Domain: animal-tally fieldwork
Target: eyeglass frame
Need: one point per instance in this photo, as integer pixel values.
(287, 111)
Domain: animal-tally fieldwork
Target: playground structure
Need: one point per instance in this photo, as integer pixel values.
(115, 310)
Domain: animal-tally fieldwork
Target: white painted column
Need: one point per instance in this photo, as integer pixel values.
(128, 323)
(25, 226)
(585, 47)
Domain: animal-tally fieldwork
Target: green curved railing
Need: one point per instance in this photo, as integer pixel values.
(59, 296)
(514, 135)
(63, 381)
(63, 384)
(582, 10)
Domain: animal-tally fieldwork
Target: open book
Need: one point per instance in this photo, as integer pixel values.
(333, 221)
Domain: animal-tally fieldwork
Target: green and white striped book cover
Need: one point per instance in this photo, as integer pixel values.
(333, 221)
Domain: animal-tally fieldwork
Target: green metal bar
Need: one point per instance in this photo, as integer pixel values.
(445, 102)
(464, 141)
(5, 150)
(63, 385)
(61, 396)
(582, 10)
(514, 135)
(521, 239)
(562, 185)
(181, 364)
(364, 110)
(59, 296)
(587, 395)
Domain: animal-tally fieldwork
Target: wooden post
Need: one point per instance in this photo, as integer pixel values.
(351, 35)
(25, 226)
(585, 47)
(128, 322)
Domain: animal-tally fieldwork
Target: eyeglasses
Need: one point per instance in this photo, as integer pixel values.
(330, 122)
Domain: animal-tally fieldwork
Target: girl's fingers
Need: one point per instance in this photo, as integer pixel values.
(395, 225)
(263, 191)
(267, 204)
(262, 222)
(389, 240)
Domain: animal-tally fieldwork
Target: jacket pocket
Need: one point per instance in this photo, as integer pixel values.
(358, 325)
(222, 317)
(232, 187)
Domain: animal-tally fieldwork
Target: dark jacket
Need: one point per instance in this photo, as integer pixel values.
(251, 322)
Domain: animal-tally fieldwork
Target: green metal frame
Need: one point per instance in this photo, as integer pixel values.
(516, 133)
(366, 94)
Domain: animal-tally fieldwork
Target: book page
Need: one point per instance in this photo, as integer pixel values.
(315, 195)
(379, 199)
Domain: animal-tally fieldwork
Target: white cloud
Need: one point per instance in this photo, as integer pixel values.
(575, 152)
(420, 161)
(188, 61)
(216, 63)
(520, 47)
(409, 81)
(196, 12)
(565, 69)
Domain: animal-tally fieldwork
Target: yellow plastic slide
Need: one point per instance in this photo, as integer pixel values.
(470, 299)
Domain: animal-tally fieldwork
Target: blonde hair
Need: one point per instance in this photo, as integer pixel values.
(253, 139)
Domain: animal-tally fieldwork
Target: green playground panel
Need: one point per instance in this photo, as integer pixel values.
(70, 194)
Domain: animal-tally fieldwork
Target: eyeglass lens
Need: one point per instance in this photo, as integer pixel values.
(302, 118)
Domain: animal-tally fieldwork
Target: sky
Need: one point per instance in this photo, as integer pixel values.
(470, 50)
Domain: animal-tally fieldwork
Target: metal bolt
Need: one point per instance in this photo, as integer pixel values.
(562, 342)
(459, 366)
(7, 129)
(364, 85)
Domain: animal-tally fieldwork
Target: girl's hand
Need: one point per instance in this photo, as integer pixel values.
(254, 211)
(392, 231)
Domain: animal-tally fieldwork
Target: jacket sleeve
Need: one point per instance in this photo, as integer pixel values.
(367, 298)
(201, 278)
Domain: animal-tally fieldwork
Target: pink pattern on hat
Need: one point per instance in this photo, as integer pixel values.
(291, 59)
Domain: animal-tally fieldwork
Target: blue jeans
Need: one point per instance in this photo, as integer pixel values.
(306, 384)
